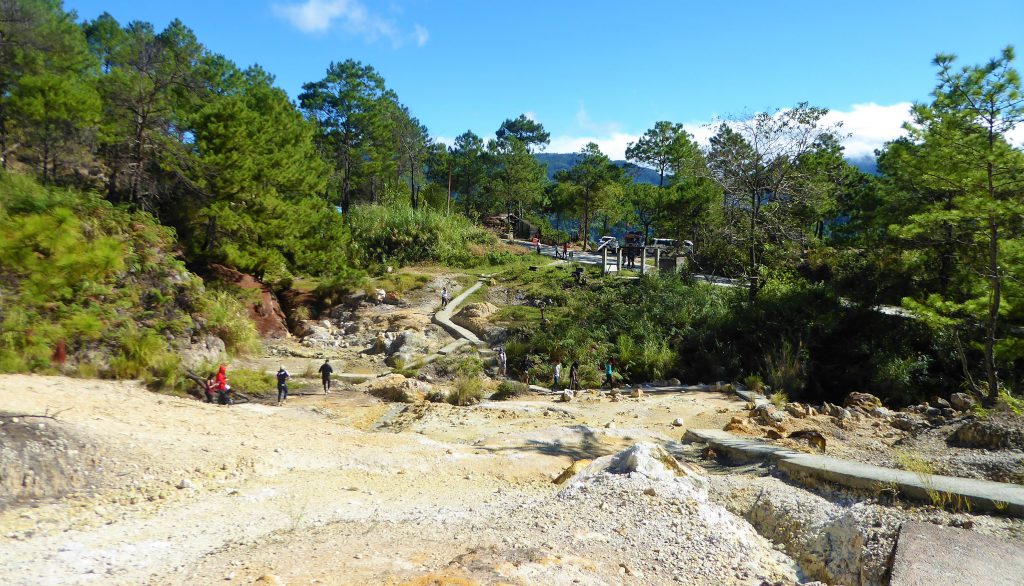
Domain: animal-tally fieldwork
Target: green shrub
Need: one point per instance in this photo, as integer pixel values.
(436, 396)
(753, 383)
(252, 382)
(785, 369)
(469, 390)
(509, 390)
(229, 320)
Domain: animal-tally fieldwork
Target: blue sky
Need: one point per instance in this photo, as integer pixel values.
(606, 71)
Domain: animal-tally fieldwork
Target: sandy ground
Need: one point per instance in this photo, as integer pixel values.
(317, 491)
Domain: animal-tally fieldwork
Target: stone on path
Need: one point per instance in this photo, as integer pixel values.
(927, 554)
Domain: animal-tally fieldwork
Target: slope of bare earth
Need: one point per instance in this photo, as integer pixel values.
(181, 492)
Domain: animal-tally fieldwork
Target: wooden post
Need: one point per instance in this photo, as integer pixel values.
(604, 260)
(657, 259)
(643, 260)
(618, 259)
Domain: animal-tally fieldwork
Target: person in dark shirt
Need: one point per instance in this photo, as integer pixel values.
(282, 385)
(325, 375)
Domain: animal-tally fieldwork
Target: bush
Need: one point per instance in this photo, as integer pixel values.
(753, 383)
(469, 390)
(229, 320)
(509, 390)
(785, 369)
(252, 382)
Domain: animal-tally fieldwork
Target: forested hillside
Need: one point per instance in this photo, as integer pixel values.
(151, 147)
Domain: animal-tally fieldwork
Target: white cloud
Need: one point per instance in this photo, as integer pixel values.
(319, 16)
(613, 145)
(869, 127)
(421, 34)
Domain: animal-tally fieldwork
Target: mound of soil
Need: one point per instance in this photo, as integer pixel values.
(42, 458)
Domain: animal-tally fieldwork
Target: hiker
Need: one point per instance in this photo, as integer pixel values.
(211, 388)
(282, 385)
(558, 374)
(325, 375)
(574, 376)
(565, 250)
(223, 389)
(537, 242)
(527, 364)
(502, 361)
(608, 371)
(444, 297)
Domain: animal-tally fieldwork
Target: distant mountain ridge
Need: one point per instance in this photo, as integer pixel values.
(564, 161)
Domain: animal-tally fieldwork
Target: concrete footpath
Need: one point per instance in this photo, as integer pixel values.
(983, 495)
(928, 554)
(443, 318)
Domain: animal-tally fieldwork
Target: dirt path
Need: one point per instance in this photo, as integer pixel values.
(304, 492)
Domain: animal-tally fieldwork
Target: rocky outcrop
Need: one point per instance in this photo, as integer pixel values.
(206, 349)
(408, 347)
(399, 389)
(990, 434)
(864, 401)
(839, 545)
(649, 460)
(475, 317)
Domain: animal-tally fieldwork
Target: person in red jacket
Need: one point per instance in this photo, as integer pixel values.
(222, 385)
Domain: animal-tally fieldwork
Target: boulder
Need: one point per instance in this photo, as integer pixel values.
(408, 347)
(864, 401)
(940, 403)
(677, 422)
(990, 434)
(475, 317)
(674, 382)
(646, 459)
(767, 414)
(566, 396)
(637, 393)
(397, 388)
(902, 422)
(962, 401)
(796, 410)
(201, 350)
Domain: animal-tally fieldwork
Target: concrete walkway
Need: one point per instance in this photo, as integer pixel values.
(928, 554)
(998, 497)
(443, 318)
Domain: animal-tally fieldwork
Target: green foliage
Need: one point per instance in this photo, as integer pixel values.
(785, 368)
(753, 383)
(228, 319)
(509, 390)
(398, 235)
(399, 282)
(252, 382)
(101, 281)
(469, 390)
(800, 337)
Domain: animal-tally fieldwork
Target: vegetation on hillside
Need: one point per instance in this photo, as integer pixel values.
(95, 289)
